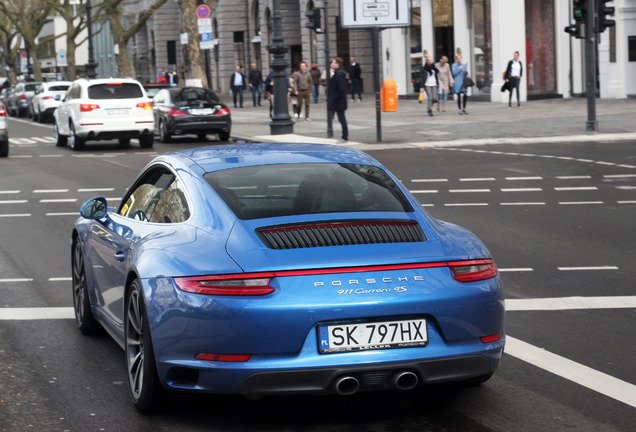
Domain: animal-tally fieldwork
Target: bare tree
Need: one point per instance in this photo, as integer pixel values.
(9, 35)
(75, 18)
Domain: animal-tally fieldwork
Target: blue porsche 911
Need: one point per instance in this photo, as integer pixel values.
(283, 268)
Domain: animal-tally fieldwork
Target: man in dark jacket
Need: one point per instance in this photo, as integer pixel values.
(355, 79)
(237, 85)
(337, 96)
(255, 79)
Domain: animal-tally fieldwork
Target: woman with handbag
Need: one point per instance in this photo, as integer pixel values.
(428, 76)
(459, 71)
(445, 81)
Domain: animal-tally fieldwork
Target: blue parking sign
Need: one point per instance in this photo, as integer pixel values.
(205, 37)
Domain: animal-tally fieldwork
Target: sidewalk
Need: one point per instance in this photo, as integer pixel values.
(551, 120)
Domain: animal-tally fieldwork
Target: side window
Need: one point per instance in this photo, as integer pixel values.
(156, 197)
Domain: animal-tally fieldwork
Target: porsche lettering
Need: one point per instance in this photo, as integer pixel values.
(369, 281)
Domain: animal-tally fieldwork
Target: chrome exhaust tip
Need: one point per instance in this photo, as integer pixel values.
(346, 385)
(404, 380)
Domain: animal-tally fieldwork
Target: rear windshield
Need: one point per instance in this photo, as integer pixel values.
(115, 91)
(292, 189)
(190, 95)
(59, 87)
(31, 87)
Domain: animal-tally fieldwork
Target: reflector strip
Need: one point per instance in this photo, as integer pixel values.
(223, 357)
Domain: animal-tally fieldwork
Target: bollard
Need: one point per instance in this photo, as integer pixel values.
(389, 95)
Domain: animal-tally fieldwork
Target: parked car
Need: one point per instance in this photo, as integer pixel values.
(260, 269)
(104, 109)
(18, 101)
(153, 88)
(4, 131)
(190, 110)
(47, 98)
(4, 94)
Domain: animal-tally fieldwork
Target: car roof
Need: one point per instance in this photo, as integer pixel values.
(216, 158)
(87, 81)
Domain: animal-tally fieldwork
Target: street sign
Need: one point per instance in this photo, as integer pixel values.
(205, 37)
(203, 12)
(205, 25)
(375, 13)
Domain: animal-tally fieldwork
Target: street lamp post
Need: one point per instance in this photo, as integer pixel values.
(281, 121)
(91, 65)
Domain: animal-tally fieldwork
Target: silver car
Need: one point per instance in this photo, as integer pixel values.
(18, 100)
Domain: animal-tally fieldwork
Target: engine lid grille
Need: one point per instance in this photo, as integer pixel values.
(340, 233)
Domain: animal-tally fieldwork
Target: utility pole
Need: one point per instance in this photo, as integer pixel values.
(590, 67)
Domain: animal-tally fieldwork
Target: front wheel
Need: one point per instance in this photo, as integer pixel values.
(143, 381)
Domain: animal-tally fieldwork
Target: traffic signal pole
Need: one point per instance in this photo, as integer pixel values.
(590, 67)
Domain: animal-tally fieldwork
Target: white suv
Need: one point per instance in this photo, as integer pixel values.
(104, 109)
(47, 98)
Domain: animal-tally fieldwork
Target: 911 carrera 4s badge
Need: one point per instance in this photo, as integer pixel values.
(372, 336)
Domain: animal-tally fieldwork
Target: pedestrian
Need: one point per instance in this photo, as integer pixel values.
(173, 78)
(303, 83)
(237, 85)
(255, 79)
(444, 81)
(337, 97)
(514, 72)
(161, 78)
(315, 78)
(428, 76)
(459, 79)
(355, 79)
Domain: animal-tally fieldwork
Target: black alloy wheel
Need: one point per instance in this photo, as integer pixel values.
(81, 300)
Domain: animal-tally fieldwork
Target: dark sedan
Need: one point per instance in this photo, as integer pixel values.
(190, 110)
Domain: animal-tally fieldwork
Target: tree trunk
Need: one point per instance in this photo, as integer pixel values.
(193, 57)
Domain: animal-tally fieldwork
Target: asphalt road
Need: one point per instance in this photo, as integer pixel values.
(557, 218)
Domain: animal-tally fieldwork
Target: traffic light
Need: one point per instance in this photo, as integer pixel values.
(601, 11)
(579, 11)
(315, 21)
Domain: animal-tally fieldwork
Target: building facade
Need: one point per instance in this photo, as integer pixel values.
(485, 32)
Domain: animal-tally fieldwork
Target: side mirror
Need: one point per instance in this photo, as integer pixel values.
(95, 208)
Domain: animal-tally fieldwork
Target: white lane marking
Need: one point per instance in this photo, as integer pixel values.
(36, 313)
(619, 175)
(428, 180)
(588, 268)
(97, 190)
(51, 156)
(63, 214)
(15, 215)
(58, 200)
(580, 202)
(20, 156)
(524, 178)
(50, 190)
(466, 204)
(626, 187)
(16, 280)
(522, 203)
(59, 279)
(424, 191)
(13, 201)
(580, 374)
(521, 189)
(576, 188)
(477, 179)
(570, 303)
(468, 190)
(580, 177)
(9, 192)
(515, 269)
(626, 202)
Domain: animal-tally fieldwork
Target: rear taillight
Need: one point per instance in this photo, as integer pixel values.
(473, 270)
(145, 105)
(3, 112)
(223, 111)
(253, 284)
(491, 338)
(223, 357)
(177, 113)
(22, 97)
(88, 107)
(47, 97)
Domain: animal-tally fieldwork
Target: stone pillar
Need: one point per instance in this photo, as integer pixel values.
(508, 35)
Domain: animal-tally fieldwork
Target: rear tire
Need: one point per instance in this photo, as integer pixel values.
(224, 136)
(146, 141)
(60, 140)
(4, 148)
(164, 136)
(143, 381)
(75, 142)
(124, 141)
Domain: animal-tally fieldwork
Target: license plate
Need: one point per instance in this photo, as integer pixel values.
(201, 111)
(372, 336)
(117, 111)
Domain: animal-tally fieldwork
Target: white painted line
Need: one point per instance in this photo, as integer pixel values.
(585, 376)
(36, 313)
(626, 187)
(97, 190)
(512, 269)
(428, 180)
(466, 204)
(469, 190)
(21, 156)
(524, 178)
(570, 303)
(605, 163)
(626, 202)
(619, 175)
(63, 214)
(146, 153)
(51, 156)
(50, 190)
(587, 268)
(581, 177)
(538, 203)
(9, 192)
(16, 280)
(424, 191)
(60, 279)
(15, 215)
(13, 201)
(626, 166)
(580, 202)
(521, 189)
(576, 188)
(477, 179)
(59, 200)
(428, 205)
(44, 139)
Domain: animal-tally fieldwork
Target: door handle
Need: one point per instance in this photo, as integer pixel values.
(119, 256)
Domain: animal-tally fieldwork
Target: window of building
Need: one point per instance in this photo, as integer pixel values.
(239, 48)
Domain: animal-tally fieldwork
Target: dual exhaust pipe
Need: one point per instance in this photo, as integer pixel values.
(402, 380)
